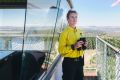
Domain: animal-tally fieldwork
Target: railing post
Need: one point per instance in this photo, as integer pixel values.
(96, 44)
(117, 67)
(99, 58)
(105, 62)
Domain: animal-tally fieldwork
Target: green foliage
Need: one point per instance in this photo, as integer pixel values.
(113, 41)
(93, 60)
(111, 68)
(91, 42)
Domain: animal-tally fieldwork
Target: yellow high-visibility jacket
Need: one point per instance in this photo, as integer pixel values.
(68, 37)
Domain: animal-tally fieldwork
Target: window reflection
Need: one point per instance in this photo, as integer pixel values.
(59, 25)
(11, 27)
(41, 4)
(44, 21)
(39, 30)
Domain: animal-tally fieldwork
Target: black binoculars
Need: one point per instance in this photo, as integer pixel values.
(83, 47)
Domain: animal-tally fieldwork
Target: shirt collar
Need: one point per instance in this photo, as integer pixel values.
(73, 29)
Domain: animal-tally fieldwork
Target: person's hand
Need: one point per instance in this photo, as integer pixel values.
(78, 44)
(85, 44)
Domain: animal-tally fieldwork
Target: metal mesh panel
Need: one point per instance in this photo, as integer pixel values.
(108, 61)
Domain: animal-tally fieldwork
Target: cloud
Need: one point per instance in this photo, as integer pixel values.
(115, 3)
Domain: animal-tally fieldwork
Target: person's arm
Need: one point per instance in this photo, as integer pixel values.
(63, 47)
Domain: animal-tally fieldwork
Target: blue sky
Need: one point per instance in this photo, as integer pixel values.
(90, 12)
(97, 12)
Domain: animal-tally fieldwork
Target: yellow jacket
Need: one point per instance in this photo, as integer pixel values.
(68, 37)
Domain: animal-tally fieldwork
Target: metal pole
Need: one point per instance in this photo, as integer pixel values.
(105, 61)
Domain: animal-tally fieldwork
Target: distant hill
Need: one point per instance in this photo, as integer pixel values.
(89, 30)
(94, 31)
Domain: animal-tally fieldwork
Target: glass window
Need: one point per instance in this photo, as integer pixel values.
(39, 29)
(11, 29)
(59, 25)
(29, 35)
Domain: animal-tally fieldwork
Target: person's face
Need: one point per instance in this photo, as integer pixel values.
(72, 20)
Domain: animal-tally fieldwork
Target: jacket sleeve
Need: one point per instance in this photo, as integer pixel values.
(63, 48)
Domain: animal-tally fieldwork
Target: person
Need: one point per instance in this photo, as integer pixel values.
(70, 47)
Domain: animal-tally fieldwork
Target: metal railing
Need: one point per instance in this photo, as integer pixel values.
(47, 74)
(108, 60)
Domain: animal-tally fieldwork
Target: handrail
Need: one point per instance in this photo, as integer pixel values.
(47, 75)
(112, 47)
